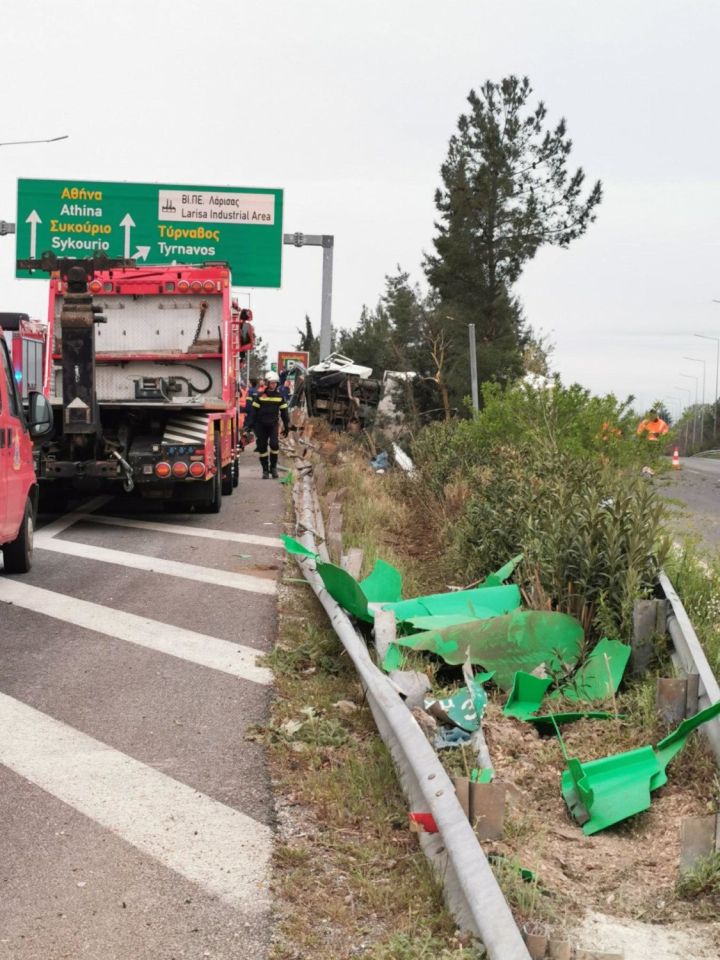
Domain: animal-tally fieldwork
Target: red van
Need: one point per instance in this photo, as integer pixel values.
(18, 485)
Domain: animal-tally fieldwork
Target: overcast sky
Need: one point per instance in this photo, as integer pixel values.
(349, 108)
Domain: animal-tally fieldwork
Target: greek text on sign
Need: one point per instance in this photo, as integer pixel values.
(255, 208)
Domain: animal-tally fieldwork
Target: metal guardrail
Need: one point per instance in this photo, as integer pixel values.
(689, 658)
(471, 890)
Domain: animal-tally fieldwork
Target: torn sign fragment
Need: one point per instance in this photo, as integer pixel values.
(522, 640)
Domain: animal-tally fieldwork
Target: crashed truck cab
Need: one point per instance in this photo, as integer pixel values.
(142, 373)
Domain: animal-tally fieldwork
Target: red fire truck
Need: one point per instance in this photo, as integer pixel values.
(18, 486)
(27, 349)
(142, 369)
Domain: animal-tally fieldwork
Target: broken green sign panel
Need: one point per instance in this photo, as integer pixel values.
(522, 640)
(345, 590)
(526, 695)
(383, 585)
(600, 675)
(295, 547)
(503, 574)
(471, 604)
(465, 708)
(603, 792)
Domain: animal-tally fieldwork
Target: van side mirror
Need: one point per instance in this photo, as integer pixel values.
(40, 415)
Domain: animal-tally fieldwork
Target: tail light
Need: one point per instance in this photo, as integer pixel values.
(162, 470)
(209, 286)
(197, 470)
(183, 286)
(180, 469)
(95, 286)
(196, 286)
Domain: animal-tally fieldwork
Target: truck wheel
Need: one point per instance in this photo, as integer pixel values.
(215, 485)
(18, 554)
(227, 479)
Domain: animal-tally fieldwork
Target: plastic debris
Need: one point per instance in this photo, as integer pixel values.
(288, 479)
(522, 640)
(450, 737)
(603, 792)
(380, 462)
(422, 823)
(482, 776)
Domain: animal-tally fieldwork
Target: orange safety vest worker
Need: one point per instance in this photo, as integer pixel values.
(654, 426)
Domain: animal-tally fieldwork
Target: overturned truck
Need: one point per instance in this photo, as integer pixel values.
(342, 392)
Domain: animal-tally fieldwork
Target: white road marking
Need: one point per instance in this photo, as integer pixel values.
(172, 568)
(68, 519)
(221, 849)
(228, 535)
(232, 658)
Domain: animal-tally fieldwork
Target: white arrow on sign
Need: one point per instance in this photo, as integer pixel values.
(141, 253)
(33, 219)
(127, 222)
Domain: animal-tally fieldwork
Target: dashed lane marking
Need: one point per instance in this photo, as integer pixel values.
(172, 568)
(232, 658)
(228, 535)
(223, 850)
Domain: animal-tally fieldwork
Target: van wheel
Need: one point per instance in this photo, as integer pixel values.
(18, 554)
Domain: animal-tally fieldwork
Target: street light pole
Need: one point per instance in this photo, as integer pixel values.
(702, 415)
(704, 336)
(691, 376)
(689, 395)
(21, 143)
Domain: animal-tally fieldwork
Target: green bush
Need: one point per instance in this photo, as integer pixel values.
(566, 419)
(589, 532)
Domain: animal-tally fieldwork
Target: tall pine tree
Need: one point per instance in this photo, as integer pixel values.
(506, 192)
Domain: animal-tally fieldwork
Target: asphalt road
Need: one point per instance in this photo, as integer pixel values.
(137, 820)
(695, 494)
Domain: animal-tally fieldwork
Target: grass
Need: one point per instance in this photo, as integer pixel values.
(350, 877)
(702, 881)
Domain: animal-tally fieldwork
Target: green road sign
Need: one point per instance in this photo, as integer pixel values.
(154, 223)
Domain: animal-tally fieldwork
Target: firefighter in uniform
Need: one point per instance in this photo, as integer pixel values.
(266, 410)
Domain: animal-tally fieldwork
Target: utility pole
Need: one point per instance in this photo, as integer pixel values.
(327, 242)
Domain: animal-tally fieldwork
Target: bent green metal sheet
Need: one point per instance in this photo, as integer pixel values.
(295, 547)
(521, 640)
(345, 589)
(605, 791)
(501, 600)
(526, 695)
(383, 585)
(503, 574)
(675, 741)
(600, 675)
(440, 621)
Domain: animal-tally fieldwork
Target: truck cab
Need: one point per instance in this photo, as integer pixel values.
(18, 484)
